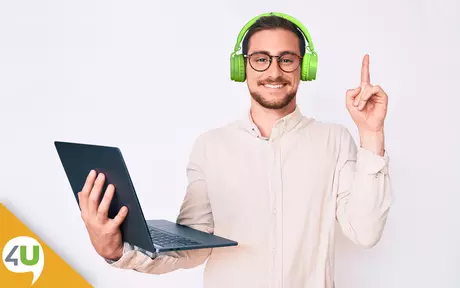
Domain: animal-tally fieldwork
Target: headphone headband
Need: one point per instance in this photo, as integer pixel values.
(251, 22)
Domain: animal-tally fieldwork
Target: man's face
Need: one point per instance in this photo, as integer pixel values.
(273, 88)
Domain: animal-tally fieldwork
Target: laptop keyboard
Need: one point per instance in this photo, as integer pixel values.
(164, 238)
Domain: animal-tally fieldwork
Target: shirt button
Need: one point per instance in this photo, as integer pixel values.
(274, 211)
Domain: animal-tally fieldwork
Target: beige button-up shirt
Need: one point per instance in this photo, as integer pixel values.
(280, 198)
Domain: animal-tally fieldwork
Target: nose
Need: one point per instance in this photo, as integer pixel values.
(274, 70)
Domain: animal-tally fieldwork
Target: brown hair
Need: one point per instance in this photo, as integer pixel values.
(273, 22)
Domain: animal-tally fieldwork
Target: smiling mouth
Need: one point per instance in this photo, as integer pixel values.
(274, 86)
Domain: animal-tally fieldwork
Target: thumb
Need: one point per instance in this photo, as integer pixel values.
(351, 95)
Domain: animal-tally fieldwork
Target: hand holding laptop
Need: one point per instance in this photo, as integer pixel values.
(104, 233)
(100, 170)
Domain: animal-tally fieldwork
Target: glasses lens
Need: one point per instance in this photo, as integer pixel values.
(259, 61)
(289, 62)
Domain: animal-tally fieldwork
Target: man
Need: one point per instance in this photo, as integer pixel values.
(275, 181)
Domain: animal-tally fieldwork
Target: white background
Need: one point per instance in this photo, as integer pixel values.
(150, 76)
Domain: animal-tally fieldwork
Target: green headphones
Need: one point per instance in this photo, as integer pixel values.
(309, 61)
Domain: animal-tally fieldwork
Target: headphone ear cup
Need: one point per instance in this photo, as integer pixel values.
(305, 67)
(309, 67)
(313, 67)
(237, 69)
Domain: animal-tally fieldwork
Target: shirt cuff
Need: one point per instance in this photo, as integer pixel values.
(369, 162)
(126, 248)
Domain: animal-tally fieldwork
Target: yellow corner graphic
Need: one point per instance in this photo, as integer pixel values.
(29, 262)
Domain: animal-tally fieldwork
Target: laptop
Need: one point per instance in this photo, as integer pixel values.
(157, 235)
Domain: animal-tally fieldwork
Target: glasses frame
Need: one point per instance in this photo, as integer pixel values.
(248, 57)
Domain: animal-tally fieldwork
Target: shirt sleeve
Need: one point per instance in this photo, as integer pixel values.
(364, 194)
(195, 212)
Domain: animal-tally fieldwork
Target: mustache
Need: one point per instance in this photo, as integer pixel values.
(278, 80)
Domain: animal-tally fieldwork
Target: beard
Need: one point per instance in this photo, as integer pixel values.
(274, 104)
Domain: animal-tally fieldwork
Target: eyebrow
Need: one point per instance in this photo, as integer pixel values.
(267, 52)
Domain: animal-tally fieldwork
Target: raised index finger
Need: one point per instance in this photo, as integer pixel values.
(365, 76)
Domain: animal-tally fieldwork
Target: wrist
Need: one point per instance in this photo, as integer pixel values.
(373, 141)
(115, 255)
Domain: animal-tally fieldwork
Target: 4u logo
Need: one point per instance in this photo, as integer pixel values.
(24, 254)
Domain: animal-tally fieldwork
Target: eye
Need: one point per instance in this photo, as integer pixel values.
(261, 59)
(289, 60)
(285, 60)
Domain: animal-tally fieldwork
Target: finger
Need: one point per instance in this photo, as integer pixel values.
(365, 76)
(103, 210)
(95, 194)
(351, 95)
(84, 193)
(368, 93)
(360, 95)
(120, 217)
(382, 97)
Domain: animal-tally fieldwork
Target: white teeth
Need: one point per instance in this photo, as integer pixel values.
(273, 86)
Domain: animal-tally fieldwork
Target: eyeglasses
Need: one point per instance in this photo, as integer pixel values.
(261, 61)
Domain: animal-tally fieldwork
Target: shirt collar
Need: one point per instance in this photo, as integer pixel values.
(282, 125)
